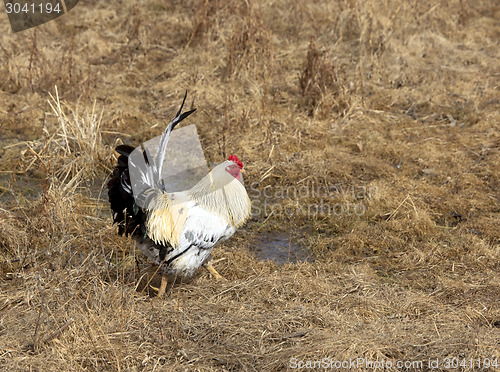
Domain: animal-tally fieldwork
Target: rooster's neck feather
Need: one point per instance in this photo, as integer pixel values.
(221, 193)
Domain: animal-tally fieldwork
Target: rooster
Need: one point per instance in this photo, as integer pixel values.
(177, 230)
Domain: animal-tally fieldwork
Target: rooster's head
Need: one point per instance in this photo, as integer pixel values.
(235, 167)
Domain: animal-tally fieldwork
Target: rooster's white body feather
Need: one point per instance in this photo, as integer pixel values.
(190, 223)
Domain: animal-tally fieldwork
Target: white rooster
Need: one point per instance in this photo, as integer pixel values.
(177, 230)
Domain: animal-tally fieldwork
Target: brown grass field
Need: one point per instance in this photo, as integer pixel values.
(370, 135)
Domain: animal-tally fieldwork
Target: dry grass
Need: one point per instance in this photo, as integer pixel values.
(370, 134)
(72, 150)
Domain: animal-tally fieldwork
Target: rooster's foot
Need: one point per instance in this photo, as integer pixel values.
(163, 287)
(214, 272)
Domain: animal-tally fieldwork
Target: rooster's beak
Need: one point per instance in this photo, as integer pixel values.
(242, 170)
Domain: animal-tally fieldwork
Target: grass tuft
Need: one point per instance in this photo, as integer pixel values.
(72, 149)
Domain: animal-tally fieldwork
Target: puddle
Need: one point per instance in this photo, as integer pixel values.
(279, 248)
(28, 187)
(32, 188)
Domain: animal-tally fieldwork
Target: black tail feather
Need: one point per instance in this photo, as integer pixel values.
(124, 150)
(129, 217)
(180, 117)
(126, 214)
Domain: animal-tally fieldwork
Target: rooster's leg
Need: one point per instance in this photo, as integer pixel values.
(163, 286)
(214, 272)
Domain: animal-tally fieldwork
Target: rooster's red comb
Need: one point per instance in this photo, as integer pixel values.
(235, 159)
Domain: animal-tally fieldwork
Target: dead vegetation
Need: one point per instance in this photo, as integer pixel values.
(370, 134)
(72, 150)
(321, 78)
